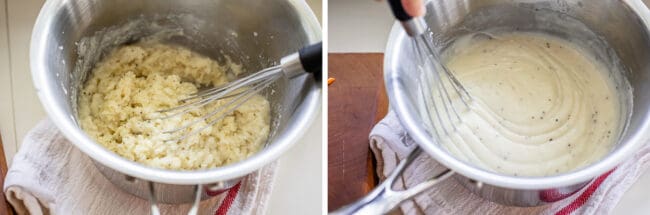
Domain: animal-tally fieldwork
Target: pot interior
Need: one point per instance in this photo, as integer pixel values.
(610, 30)
(252, 33)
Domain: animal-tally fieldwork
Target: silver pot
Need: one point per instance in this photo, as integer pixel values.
(622, 26)
(69, 37)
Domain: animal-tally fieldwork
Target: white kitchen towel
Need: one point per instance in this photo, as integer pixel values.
(49, 175)
(390, 143)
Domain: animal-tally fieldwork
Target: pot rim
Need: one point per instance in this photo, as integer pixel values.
(308, 109)
(402, 106)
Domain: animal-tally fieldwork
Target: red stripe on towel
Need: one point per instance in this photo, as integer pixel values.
(227, 202)
(582, 199)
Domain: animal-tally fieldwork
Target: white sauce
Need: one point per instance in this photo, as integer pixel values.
(542, 106)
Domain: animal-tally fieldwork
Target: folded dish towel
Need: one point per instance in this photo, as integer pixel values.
(390, 143)
(49, 175)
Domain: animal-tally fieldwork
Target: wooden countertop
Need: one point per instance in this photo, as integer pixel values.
(356, 102)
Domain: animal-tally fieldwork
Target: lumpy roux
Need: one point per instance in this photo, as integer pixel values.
(542, 105)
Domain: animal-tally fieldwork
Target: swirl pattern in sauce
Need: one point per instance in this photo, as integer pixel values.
(542, 106)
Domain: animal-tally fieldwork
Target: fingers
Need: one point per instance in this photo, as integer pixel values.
(414, 8)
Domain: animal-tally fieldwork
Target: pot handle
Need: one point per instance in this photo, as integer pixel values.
(195, 204)
(383, 198)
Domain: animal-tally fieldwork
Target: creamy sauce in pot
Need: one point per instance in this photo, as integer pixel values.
(542, 105)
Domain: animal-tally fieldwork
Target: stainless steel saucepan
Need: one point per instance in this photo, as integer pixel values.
(70, 36)
(622, 26)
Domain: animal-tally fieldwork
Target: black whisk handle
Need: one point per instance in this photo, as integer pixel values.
(414, 26)
(398, 10)
(311, 58)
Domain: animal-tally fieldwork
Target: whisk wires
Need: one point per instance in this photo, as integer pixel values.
(443, 95)
(235, 94)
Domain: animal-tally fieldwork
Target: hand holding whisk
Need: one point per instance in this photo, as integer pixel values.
(443, 94)
(307, 60)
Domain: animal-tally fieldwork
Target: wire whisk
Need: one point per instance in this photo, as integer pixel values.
(236, 93)
(444, 96)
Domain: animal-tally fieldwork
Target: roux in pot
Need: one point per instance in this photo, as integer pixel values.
(119, 108)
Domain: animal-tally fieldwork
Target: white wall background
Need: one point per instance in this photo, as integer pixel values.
(19, 105)
(358, 25)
